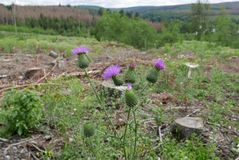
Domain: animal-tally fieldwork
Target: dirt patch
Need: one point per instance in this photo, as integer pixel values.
(33, 147)
(231, 65)
(15, 66)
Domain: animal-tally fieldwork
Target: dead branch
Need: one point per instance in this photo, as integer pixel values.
(4, 140)
(18, 143)
(46, 75)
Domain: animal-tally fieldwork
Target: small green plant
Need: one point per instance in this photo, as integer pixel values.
(48, 154)
(89, 129)
(192, 148)
(23, 111)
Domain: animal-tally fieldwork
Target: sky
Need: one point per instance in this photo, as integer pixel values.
(106, 3)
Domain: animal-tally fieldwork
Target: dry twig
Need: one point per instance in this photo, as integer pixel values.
(18, 143)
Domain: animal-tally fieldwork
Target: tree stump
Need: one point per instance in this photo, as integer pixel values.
(111, 92)
(186, 126)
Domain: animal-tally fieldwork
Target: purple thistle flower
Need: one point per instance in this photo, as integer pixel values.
(111, 71)
(159, 64)
(129, 86)
(80, 50)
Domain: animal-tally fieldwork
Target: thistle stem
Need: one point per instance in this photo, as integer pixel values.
(124, 136)
(135, 134)
(142, 91)
(100, 101)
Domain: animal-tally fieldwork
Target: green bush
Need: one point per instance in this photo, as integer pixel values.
(170, 34)
(23, 111)
(116, 27)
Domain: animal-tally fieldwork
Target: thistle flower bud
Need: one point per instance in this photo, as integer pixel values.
(152, 77)
(130, 97)
(83, 61)
(117, 81)
(88, 129)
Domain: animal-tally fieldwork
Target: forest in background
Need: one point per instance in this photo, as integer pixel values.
(141, 27)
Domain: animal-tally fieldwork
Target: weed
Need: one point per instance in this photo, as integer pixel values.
(192, 148)
(23, 111)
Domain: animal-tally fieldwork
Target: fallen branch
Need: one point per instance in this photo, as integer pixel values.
(76, 74)
(18, 143)
(33, 156)
(4, 140)
(46, 75)
(195, 111)
(36, 147)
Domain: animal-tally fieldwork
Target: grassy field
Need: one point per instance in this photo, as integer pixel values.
(31, 43)
(212, 94)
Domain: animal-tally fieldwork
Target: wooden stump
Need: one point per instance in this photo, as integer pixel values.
(111, 92)
(186, 126)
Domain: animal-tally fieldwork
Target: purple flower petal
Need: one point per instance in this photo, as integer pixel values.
(129, 86)
(159, 64)
(80, 50)
(111, 71)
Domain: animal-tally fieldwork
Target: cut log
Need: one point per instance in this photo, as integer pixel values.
(186, 126)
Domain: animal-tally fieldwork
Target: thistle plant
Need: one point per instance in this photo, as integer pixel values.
(131, 98)
(131, 101)
(153, 75)
(83, 63)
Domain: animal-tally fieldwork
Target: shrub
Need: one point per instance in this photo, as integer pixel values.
(23, 111)
(170, 34)
(132, 31)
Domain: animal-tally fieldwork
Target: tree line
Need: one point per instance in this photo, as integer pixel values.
(128, 27)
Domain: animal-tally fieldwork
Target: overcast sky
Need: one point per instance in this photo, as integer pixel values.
(106, 3)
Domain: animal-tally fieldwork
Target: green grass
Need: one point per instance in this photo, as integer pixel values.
(33, 43)
(191, 149)
(11, 28)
